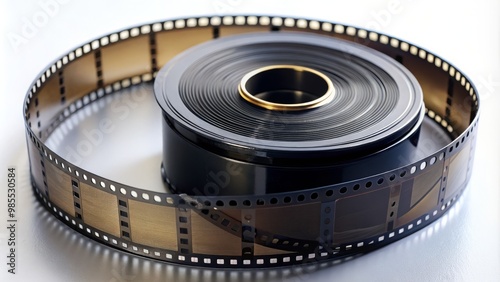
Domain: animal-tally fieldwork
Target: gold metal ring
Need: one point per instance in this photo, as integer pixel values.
(286, 88)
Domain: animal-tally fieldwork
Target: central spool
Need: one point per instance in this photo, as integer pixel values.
(286, 88)
(271, 113)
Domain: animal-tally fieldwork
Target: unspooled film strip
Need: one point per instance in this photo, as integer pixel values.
(251, 227)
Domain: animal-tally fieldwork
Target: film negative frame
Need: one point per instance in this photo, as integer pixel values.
(229, 231)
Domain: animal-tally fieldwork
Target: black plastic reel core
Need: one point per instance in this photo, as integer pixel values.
(285, 108)
(377, 102)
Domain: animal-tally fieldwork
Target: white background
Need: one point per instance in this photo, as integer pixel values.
(463, 246)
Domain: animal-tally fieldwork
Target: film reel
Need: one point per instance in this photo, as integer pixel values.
(376, 105)
(375, 200)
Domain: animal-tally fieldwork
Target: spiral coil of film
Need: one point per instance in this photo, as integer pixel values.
(246, 228)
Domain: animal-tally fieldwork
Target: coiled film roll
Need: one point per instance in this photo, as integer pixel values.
(374, 105)
(290, 196)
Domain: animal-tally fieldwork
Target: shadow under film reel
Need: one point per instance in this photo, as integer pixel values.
(322, 140)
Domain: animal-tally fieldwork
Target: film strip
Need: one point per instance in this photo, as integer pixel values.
(254, 229)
